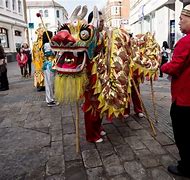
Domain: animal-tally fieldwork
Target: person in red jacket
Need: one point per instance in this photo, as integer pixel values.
(22, 59)
(179, 70)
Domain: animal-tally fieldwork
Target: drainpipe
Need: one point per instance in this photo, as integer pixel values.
(26, 21)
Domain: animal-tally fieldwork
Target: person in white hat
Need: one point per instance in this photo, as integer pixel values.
(179, 70)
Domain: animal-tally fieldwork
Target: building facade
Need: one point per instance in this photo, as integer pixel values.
(52, 13)
(117, 13)
(12, 26)
(158, 17)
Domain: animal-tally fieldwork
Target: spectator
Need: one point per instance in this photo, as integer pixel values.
(179, 70)
(22, 59)
(165, 54)
(4, 84)
(27, 51)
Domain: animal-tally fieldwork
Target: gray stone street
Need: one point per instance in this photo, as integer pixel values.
(38, 142)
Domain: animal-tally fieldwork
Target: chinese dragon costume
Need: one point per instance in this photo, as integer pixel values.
(38, 59)
(99, 67)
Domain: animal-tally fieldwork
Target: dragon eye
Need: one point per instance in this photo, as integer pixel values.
(85, 33)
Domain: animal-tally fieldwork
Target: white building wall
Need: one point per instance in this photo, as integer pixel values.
(51, 22)
(160, 16)
(162, 25)
(12, 20)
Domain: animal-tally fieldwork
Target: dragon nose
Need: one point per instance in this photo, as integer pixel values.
(63, 36)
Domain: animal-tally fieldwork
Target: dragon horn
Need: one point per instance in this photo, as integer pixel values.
(83, 13)
(75, 13)
(96, 17)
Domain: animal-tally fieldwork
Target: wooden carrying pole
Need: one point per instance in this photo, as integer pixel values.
(153, 100)
(144, 109)
(77, 127)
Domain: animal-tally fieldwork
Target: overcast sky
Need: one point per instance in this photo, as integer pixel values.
(70, 5)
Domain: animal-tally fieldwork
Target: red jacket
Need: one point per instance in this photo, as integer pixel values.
(21, 62)
(179, 69)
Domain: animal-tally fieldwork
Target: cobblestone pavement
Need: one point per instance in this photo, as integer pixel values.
(38, 142)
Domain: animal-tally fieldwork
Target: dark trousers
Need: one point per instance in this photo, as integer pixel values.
(163, 62)
(29, 64)
(181, 128)
(23, 71)
(4, 80)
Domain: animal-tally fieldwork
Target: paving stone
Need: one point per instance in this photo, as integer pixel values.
(150, 161)
(167, 160)
(85, 145)
(69, 139)
(119, 122)
(56, 135)
(163, 139)
(134, 142)
(69, 128)
(22, 163)
(125, 153)
(55, 165)
(142, 152)
(126, 131)
(121, 177)
(143, 134)
(134, 125)
(112, 165)
(116, 139)
(172, 149)
(111, 129)
(91, 158)
(154, 147)
(160, 174)
(95, 173)
(75, 170)
(70, 153)
(55, 177)
(105, 148)
(56, 148)
(135, 170)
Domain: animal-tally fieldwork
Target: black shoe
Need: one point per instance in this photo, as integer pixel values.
(174, 170)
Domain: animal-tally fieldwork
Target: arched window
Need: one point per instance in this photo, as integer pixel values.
(57, 13)
(7, 4)
(13, 5)
(46, 13)
(19, 6)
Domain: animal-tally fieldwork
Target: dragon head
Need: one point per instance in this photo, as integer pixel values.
(75, 42)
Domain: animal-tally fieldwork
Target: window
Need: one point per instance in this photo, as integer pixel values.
(115, 10)
(46, 13)
(4, 37)
(41, 12)
(13, 5)
(57, 13)
(18, 33)
(19, 6)
(7, 3)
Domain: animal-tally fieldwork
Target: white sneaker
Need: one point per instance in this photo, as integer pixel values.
(102, 133)
(140, 115)
(99, 140)
(126, 116)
